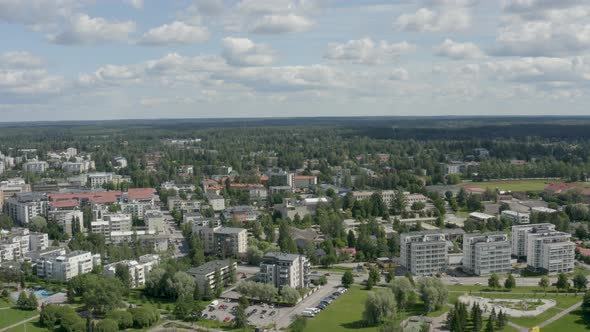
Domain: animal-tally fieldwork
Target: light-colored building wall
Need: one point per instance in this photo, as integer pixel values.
(281, 270)
(486, 253)
(518, 236)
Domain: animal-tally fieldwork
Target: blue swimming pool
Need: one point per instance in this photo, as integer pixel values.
(40, 294)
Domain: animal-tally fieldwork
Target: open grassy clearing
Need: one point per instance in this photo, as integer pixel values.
(575, 321)
(12, 316)
(514, 185)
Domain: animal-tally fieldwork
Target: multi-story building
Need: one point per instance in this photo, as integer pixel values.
(224, 241)
(550, 252)
(154, 221)
(518, 236)
(387, 196)
(119, 162)
(281, 270)
(2, 167)
(241, 213)
(486, 253)
(480, 217)
(64, 267)
(279, 177)
(11, 187)
(38, 241)
(304, 181)
(217, 202)
(205, 274)
(517, 217)
(111, 223)
(138, 270)
(184, 205)
(66, 219)
(24, 206)
(35, 166)
(96, 180)
(425, 252)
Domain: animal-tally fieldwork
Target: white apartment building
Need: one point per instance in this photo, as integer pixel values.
(480, 217)
(75, 167)
(2, 167)
(486, 253)
(217, 202)
(424, 253)
(224, 241)
(205, 274)
(65, 218)
(518, 236)
(138, 270)
(96, 180)
(24, 206)
(282, 270)
(17, 242)
(38, 241)
(184, 205)
(550, 252)
(35, 166)
(541, 209)
(517, 217)
(386, 195)
(64, 267)
(154, 220)
(118, 222)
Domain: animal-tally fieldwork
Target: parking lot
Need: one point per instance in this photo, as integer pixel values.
(264, 315)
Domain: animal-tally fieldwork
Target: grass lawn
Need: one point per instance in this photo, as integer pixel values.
(515, 185)
(31, 327)
(575, 321)
(5, 303)
(344, 314)
(563, 302)
(12, 316)
(335, 269)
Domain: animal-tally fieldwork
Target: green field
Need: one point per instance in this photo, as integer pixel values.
(30, 327)
(12, 316)
(575, 321)
(516, 185)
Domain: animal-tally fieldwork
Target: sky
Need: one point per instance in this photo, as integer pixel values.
(131, 59)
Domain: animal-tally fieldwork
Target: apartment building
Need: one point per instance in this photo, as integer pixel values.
(65, 267)
(154, 221)
(516, 217)
(518, 236)
(111, 223)
(205, 274)
(486, 253)
(138, 269)
(96, 180)
(424, 253)
(217, 202)
(281, 270)
(184, 205)
(35, 166)
(304, 181)
(387, 196)
(24, 206)
(223, 241)
(11, 187)
(66, 219)
(480, 217)
(241, 213)
(75, 167)
(550, 252)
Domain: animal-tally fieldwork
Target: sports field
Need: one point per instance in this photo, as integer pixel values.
(511, 185)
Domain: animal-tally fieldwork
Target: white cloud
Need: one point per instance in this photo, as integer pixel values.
(399, 74)
(137, 4)
(35, 12)
(30, 82)
(542, 69)
(175, 33)
(458, 51)
(20, 59)
(366, 51)
(276, 24)
(83, 29)
(244, 52)
(437, 20)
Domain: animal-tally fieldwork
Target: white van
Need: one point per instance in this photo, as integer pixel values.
(214, 302)
(307, 314)
(313, 310)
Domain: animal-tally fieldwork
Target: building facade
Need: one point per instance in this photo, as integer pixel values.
(65, 267)
(281, 270)
(518, 236)
(205, 274)
(486, 253)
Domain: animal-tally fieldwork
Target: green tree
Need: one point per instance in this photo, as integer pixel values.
(490, 325)
(404, 292)
(379, 307)
(240, 317)
(562, 282)
(510, 282)
(586, 302)
(476, 317)
(433, 293)
(544, 283)
(580, 281)
(347, 279)
(218, 283)
(122, 273)
(494, 281)
(106, 325)
(289, 295)
(123, 318)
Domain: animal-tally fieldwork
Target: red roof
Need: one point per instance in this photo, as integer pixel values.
(351, 251)
(70, 203)
(583, 251)
(141, 193)
(91, 196)
(304, 177)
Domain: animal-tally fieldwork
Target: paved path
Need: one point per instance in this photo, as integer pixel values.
(19, 323)
(561, 314)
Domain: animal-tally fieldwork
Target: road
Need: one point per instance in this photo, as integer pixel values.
(472, 281)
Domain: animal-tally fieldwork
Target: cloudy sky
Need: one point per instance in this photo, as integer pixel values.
(110, 59)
